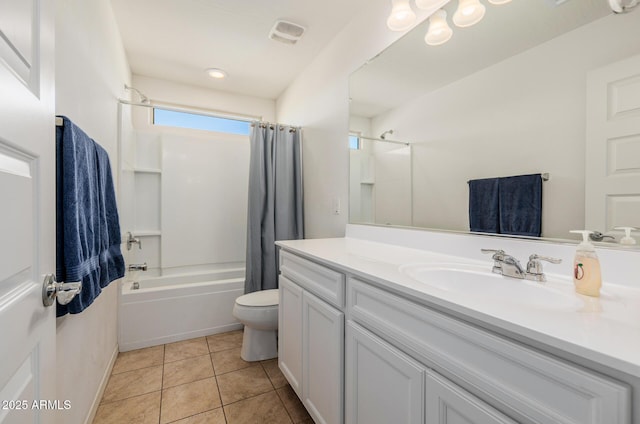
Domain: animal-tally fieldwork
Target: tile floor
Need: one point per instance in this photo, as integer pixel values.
(198, 381)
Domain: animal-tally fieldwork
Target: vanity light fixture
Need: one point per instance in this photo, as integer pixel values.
(426, 4)
(402, 16)
(439, 30)
(216, 73)
(469, 12)
(499, 1)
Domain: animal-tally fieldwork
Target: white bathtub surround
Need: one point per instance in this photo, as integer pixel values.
(564, 358)
(178, 307)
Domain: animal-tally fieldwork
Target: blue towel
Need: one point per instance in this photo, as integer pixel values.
(484, 206)
(520, 201)
(87, 224)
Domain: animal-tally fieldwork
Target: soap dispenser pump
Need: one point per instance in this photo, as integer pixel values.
(586, 267)
(627, 239)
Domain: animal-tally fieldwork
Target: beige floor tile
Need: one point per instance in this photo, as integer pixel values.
(242, 384)
(295, 408)
(189, 399)
(186, 371)
(144, 409)
(224, 341)
(228, 360)
(140, 358)
(185, 349)
(210, 417)
(263, 409)
(133, 383)
(275, 375)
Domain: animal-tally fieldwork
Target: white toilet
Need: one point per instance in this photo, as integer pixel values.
(258, 311)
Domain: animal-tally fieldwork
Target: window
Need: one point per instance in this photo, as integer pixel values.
(197, 121)
(354, 142)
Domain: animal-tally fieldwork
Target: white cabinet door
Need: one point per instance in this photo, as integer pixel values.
(383, 385)
(446, 403)
(290, 333)
(28, 212)
(322, 359)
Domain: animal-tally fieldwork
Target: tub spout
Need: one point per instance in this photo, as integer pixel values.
(138, 267)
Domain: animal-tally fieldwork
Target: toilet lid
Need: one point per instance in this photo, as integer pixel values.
(259, 298)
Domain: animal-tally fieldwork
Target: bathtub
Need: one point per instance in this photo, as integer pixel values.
(167, 309)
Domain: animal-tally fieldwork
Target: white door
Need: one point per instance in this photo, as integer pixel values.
(613, 146)
(382, 385)
(446, 403)
(290, 333)
(322, 359)
(27, 210)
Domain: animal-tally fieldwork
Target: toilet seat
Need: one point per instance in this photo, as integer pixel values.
(259, 299)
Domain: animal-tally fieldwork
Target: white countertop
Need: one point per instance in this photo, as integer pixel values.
(605, 330)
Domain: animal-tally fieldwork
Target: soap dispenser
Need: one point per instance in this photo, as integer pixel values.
(586, 267)
(627, 239)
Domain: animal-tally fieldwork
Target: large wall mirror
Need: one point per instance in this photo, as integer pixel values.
(536, 87)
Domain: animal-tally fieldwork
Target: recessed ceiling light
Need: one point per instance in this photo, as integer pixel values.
(216, 73)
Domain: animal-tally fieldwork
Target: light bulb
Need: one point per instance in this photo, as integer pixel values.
(216, 73)
(469, 12)
(499, 1)
(426, 4)
(402, 17)
(439, 30)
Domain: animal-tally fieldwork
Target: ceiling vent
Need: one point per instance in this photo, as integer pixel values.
(286, 32)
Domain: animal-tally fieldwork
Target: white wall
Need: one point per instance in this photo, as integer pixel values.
(318, 100)
(524, 115)
(172, 93)
(91, 69)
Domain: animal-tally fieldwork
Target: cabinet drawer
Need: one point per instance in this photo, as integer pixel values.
(325, 283)
(525, 384)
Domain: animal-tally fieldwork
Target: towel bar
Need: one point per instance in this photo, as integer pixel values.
(545, 177)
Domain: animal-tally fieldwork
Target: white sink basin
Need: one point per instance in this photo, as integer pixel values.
(474, 280)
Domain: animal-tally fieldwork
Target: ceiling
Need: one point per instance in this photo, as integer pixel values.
(410, 68)
(177, 40)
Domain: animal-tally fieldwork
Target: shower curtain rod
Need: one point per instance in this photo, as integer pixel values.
(264, 124)
(386, 141)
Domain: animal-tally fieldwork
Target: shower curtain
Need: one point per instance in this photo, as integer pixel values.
(275, 200)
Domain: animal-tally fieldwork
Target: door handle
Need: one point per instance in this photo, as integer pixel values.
(63, 292)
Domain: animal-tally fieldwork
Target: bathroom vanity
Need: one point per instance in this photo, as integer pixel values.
(377, 333)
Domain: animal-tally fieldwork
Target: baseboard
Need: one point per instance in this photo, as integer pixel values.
(102, 387)
(124, 347)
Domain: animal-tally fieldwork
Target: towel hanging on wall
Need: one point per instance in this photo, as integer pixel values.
(87, 224)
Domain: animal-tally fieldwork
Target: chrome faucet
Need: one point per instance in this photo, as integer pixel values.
(598, 236)
(138, 267)
(509, 266)
(505, 264)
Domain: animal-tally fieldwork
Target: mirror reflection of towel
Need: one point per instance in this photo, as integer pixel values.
(484, 206)
(509, 205)
(520, 200)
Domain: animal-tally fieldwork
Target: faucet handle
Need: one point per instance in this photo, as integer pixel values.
(535, 257)
(534, 266)
(497, 253)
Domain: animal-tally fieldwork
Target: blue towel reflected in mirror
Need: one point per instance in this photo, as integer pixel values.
(508, 205)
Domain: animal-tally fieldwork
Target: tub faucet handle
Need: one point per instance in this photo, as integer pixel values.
(133, 240)
(138, 267)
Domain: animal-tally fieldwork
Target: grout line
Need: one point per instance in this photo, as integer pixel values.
(130, 397)
(164, 349)
(285, 407)
(224, 414)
